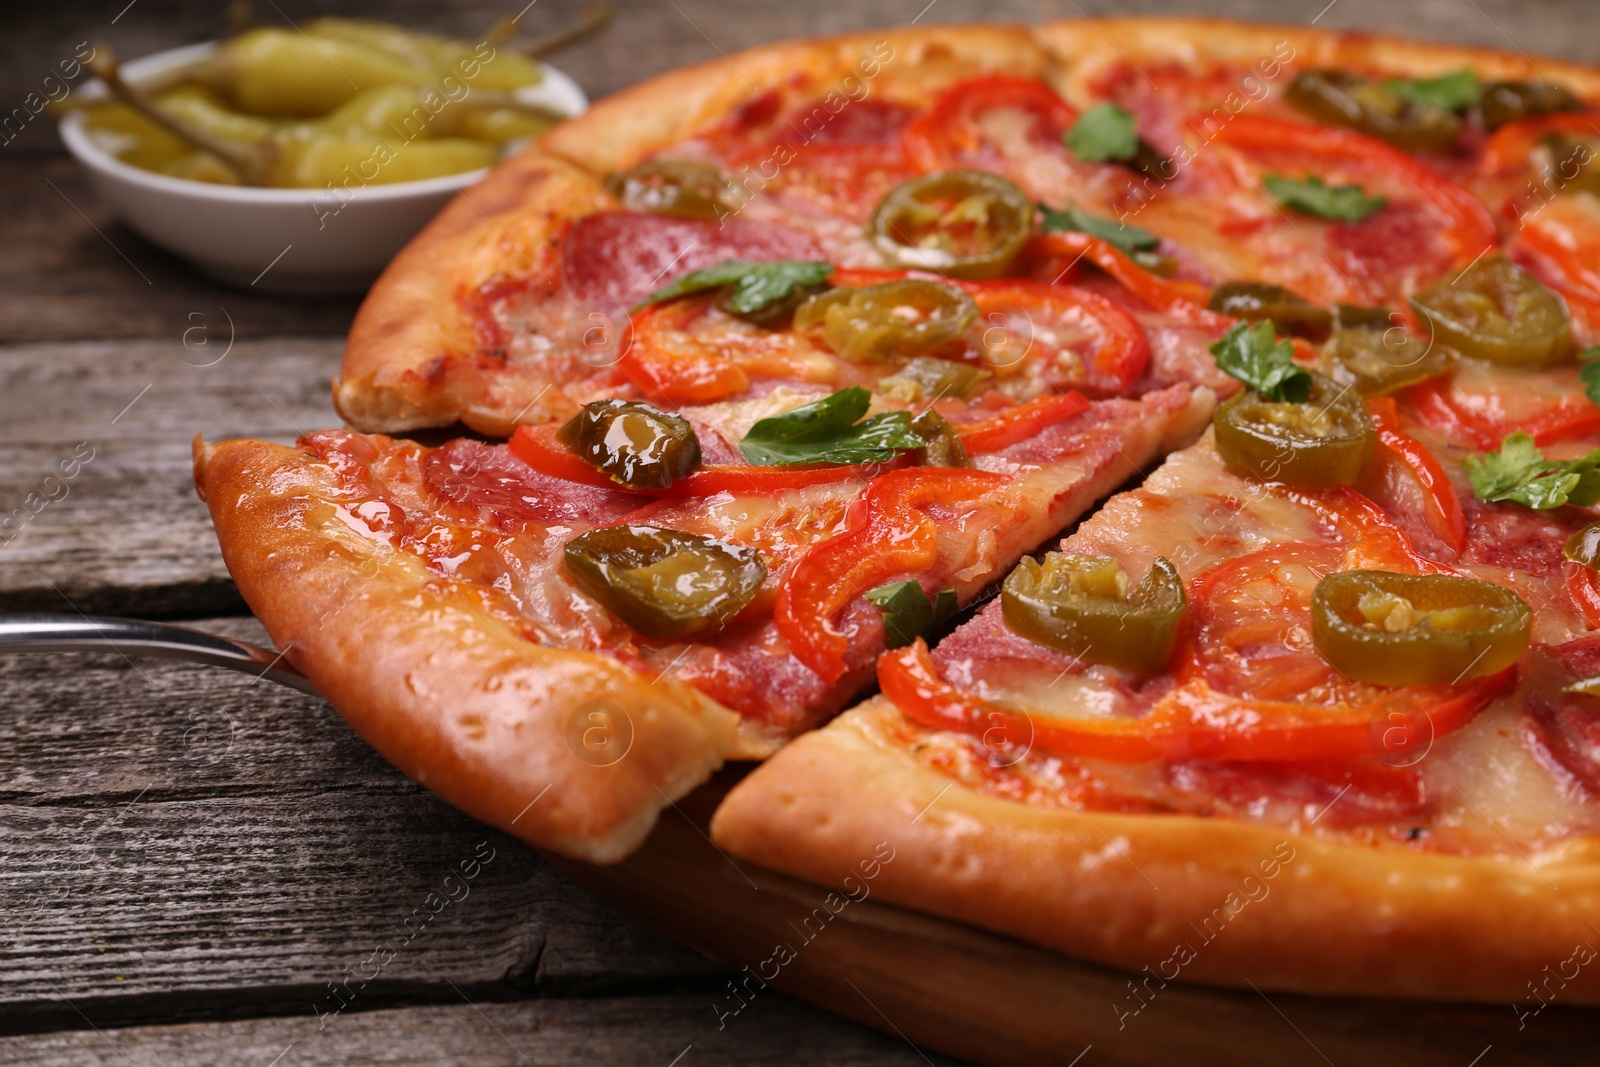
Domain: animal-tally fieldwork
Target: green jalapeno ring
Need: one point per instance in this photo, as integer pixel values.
(931, 378)
(943, 447)
(1373, 359)
(911, 231)
(1584, 546)
(1288, 311)
(1503, 102)
(1081, 605)
(1497, 311)
(1340, 98)
(693, 188)
(906, 317)
(1327, 440)
(639, 446)
(665, 584)
(1416, 629)
(1566, 164)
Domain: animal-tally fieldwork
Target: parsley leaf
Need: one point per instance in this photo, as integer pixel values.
(1103, 134)
(1456, 91)
(1518, 472)
(826, 431)
(1589, 372)
(1252, 353)
(1346, 203)
(908, 613)
(755, 285)
(1127, 238)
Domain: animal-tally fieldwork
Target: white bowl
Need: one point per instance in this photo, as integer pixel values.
(306, 241)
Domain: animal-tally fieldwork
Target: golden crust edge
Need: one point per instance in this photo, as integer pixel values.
(415, 315)
(1073, 43)
(644, 118)
(489, 721)
(1331, 918)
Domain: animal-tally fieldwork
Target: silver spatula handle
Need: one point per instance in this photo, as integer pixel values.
(133, 637)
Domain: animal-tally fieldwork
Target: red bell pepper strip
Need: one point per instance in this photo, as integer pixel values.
(887, 533)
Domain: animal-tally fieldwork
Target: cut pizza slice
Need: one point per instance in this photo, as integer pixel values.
(609, 609)
(535, 291)
(1230, 716)
(521, 287)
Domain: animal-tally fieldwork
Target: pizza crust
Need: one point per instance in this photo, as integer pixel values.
(417, 316)
(446, 691)
(905, 64)
(1080, 49)
(1283, 910)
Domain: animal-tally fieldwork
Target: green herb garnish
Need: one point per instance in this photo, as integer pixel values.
(1518, 472)
(1129, 239)
(1589, 372)
(827, 431)
(1456, 91)
(753, 286)
(1252, 353)
(1103, 134)
(908, 613)
(1347, 203)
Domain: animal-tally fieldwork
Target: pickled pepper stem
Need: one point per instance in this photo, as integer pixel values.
(251, 163)
(591, 20)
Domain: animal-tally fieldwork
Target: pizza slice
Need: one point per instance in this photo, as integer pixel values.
(533, 293)
(1235, 714)
(563, 634)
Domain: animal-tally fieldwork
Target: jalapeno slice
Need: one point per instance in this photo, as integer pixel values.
(690, 187)
(1566, 164)
(963, 223)
(1379, 359)
(907, 317)
(1081, 605)
(928, 378)
(1340, 98)
(1361, 317)
(1497, 311)
(943, 447)
(1288, 311)
(1325, 441)
(1416, 629)
(1584, 547)
(638, 445)
(665, 583)
(1504, 102)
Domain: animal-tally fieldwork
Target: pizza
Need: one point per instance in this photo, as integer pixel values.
(784, 376)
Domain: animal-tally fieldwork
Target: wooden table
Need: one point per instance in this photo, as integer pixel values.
(190, 861)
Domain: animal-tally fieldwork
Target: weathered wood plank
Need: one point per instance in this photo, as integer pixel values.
(95, 731)
(659, 1031)
(180, 843)
(97, 505)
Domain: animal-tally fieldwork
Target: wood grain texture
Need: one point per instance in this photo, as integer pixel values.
(181, 843)
(127, 534)
(651, 1031)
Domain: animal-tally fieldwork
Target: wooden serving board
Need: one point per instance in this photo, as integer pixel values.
(986, 998)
